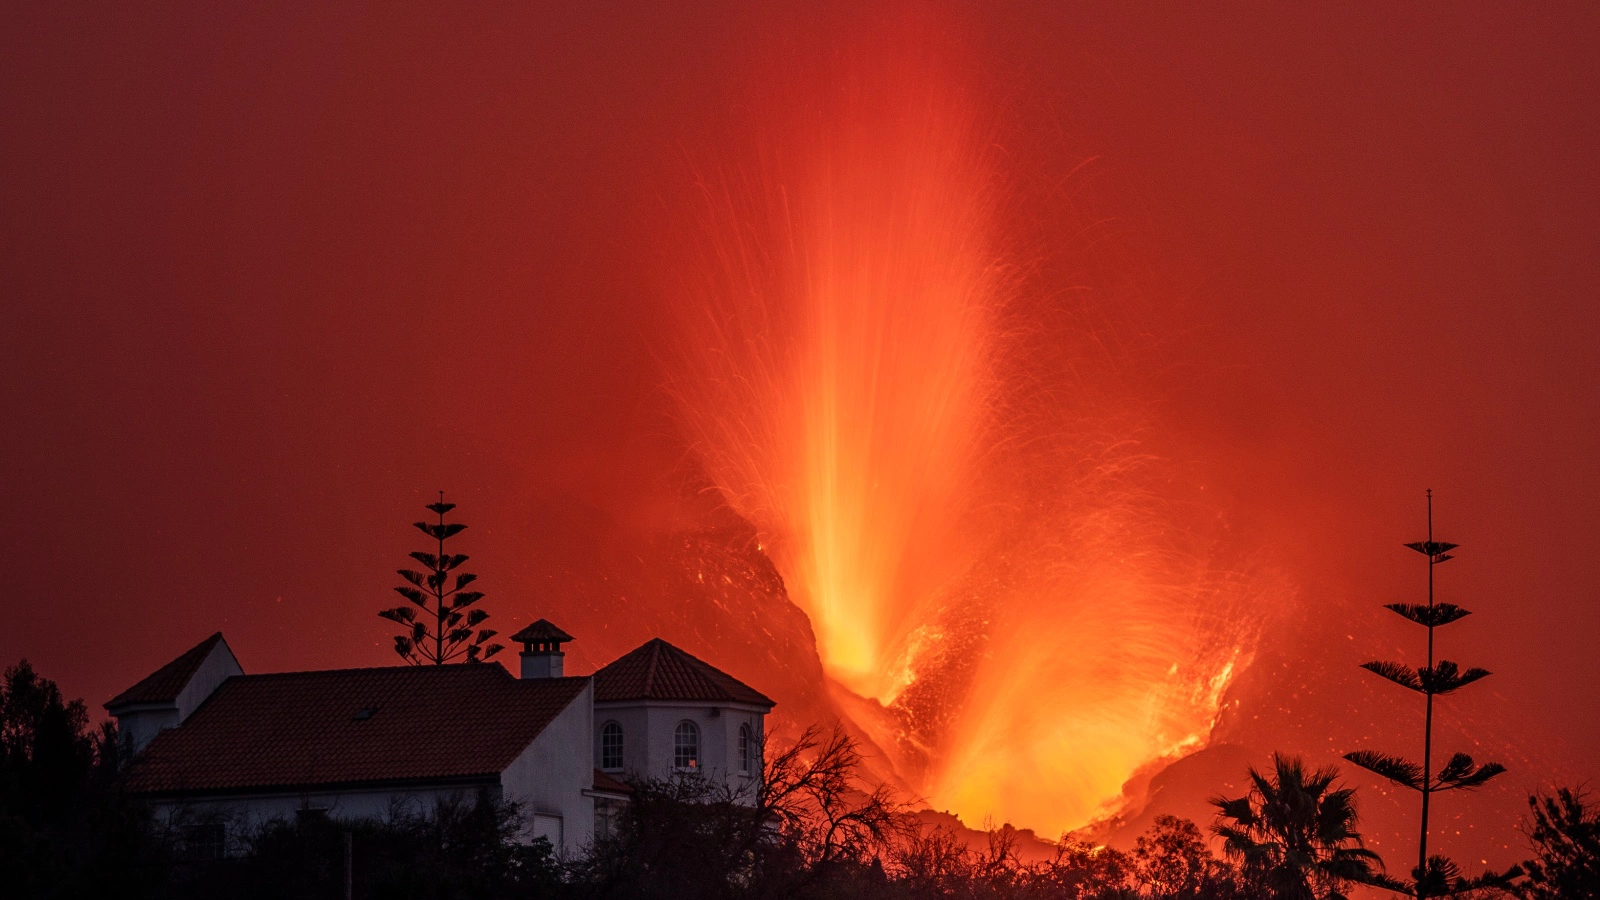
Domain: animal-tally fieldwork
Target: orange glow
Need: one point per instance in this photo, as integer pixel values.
(846, 375)
(868, 374)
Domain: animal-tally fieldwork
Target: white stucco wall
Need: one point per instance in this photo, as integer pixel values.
(550, 778)
(243, 814)
(551, 781)
(140, 723)
(647, 737)
(218, 666)
(634, 740)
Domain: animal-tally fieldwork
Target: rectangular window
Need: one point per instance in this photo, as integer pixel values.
(205, 840)
(549, 828)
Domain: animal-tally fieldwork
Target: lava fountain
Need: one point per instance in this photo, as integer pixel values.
(938, 454)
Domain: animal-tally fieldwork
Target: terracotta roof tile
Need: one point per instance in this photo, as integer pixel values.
(610, 785)
(541, 631)
(353, 725)
(164, 684)
(660, 671)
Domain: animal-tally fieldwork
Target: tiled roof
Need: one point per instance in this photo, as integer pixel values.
(543, 630)
(609, 785)
(660, 671)
(300, 729)
(164, 684)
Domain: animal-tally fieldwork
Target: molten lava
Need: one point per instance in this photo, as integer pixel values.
(940, 460)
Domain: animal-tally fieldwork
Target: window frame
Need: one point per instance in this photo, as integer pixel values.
(683, 761)
(206, 839)
(746, 745)
(609, 728)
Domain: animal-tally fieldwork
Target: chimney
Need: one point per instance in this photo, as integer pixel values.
(541, 649)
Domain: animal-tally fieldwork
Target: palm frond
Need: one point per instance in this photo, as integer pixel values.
(1238, 809)
(1437, 877)
(1264, 787)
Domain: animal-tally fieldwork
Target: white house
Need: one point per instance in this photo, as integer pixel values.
(219, 751)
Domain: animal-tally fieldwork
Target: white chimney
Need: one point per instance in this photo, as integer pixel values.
(541, 649)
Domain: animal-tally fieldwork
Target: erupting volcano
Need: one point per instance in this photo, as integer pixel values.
(1018, 603)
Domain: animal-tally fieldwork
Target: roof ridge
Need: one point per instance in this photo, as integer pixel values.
(166, 683)
(655, 663)
(659, 670)
(266, 732)
(425, 668)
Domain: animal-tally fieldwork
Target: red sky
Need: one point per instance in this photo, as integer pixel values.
(272, 278)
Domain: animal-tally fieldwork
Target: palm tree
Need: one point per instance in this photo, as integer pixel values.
(1294, 833)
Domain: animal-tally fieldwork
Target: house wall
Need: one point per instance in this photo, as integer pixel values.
(218, 666)
(242, 815)
(139, 724)
(550, 778)
(551, 781)
(648, 729)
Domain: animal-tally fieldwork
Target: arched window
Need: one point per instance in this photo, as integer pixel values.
(744, 749)
(611, 746)
(686, 748)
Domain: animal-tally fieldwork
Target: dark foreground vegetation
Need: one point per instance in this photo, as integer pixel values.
(808, 831)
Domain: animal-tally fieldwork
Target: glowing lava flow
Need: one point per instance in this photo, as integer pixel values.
(962, 513)
(842, 396)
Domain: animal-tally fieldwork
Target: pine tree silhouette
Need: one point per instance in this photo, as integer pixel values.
(1437, 875)
(451, 637)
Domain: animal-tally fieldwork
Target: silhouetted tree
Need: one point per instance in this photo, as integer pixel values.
(64, 828)
(1565, 834)
(812, 791)
(1294, 833)
(805, 828)
(439, 626)
(1171, 862)
(461, 847)
(1437, 875)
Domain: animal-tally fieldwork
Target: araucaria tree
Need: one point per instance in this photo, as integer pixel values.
(1437, 875)
(440, 627)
